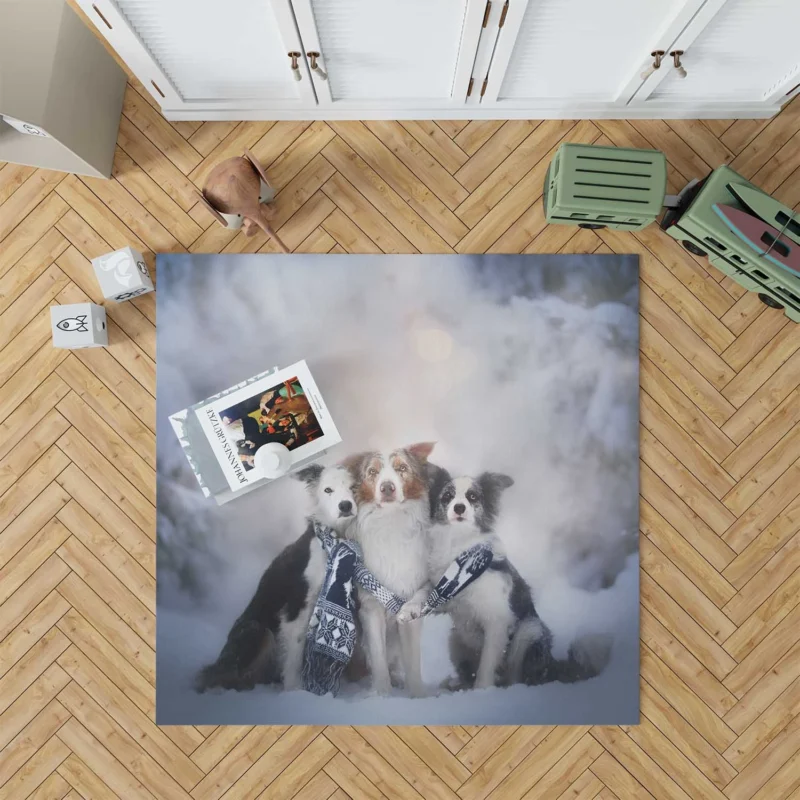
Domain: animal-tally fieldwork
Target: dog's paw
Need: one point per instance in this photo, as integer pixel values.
(453, 684)
(409, 612)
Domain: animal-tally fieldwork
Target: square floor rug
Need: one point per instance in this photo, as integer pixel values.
(466, 549)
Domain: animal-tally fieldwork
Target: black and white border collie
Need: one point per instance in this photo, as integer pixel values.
(391, 527)
(267, 641)
(497, 637)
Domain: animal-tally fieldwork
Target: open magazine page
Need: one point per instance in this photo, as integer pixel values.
(284, 406)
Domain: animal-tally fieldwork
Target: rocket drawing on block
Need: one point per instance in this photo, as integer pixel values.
(78, 325)
(74, 324)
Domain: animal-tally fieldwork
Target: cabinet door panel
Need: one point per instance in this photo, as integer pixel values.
(414, 52)
(208, 53)
(748, 52)
(581, 50)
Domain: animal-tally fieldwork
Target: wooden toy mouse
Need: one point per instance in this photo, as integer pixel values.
(233, 190)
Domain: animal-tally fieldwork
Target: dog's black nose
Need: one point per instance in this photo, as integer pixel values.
(459, 508)
(387, 487)
(345, 506)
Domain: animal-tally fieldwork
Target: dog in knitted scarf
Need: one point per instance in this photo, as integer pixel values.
(332, 631)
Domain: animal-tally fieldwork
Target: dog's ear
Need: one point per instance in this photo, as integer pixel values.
(309, 475)
(495, 481)
(437, 478)
(421, 450)
(353, 462)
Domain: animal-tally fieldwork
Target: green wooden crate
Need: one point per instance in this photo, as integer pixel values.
(701, 231)
(605, 187)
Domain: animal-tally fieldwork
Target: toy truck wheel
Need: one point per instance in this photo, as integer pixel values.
(693, 248)
(769, 301)
(592, 226)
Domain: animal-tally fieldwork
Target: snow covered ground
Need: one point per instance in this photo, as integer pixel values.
(609, 697)
(522, 365)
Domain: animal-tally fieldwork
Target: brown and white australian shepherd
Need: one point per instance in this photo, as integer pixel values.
(391, 527)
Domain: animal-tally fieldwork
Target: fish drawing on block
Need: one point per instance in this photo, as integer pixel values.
(767, 241)
(77, 324)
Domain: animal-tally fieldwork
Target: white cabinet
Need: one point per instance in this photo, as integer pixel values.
(209, 55)
(584, 58)
(415, 53)
(734, 51)
(340, 59)
(577, 52)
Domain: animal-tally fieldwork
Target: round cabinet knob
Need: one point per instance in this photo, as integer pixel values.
(295, 66)
(315, 68)
(272, 460)
(676, 58)
(657, 56)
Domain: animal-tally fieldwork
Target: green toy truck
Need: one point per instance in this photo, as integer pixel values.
(621, 188)
(605, 187)
(702, 232)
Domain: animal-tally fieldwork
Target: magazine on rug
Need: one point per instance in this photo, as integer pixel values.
(282, 406)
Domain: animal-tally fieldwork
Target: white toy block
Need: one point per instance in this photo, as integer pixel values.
(78, 325)
(122, 274)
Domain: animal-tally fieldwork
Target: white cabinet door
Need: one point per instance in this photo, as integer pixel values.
(390, 55)
(736, 51)
(564, 54)
(206, 53)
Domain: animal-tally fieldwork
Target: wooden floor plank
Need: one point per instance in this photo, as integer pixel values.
(700, 754)
(31, 230)
(673, 662)
(384, 198)
(683, 411)
(99, 760)
(684, 447)
(110, 518)
(119, 634)
(402, 180)
(767, 397)
(159, 131)
(84, 782)
(720, 472)
(153, 198)
(437, 143)
(31, 738)
(419, 161)
(496, 185)
(768, 725)
(682, 555)
(12, 176)
(476, 133)
(32, 192)
(30, 267)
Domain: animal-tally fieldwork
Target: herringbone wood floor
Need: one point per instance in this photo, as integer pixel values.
(720, 506)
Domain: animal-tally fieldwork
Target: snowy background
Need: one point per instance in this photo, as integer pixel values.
(526, 365)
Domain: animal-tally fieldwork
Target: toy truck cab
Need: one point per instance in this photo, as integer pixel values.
(702, 232)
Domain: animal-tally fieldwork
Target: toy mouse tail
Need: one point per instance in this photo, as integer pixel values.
(263, 223)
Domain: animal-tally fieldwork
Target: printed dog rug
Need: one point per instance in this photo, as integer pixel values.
(459, 546)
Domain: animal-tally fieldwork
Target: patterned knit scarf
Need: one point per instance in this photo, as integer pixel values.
(331, 636)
